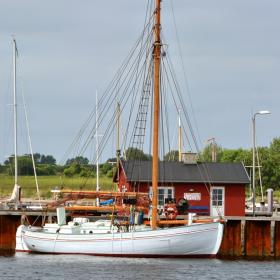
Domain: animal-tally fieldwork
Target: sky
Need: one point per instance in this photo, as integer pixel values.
(69, 49)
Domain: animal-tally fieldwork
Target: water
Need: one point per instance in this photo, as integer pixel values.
(31, 266)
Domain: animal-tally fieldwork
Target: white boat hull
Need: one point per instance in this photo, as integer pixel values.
(196, 240)
(20, 244)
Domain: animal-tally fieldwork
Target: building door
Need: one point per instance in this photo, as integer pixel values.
(217, 195)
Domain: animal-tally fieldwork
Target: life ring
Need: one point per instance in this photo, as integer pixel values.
(170, 211)
(118, 201)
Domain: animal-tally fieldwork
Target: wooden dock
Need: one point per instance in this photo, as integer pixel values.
(251, 237)
(244, 237)
(9, 222)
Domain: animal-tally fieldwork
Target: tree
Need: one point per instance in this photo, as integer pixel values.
(136, 154)
(3, 168)
(87, 171)
(105, 168)
(236, 155)
(43, 159)
(172, 156)
(73, 169)
(47, 159)
(81, 160)
(37, 157)
(271, 165)
(46, 169)
(206, 154)
(112, 160)
(25, 166)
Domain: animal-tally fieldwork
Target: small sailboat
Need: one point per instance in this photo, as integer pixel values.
(15, 197)
(14, 202)
(107, 238)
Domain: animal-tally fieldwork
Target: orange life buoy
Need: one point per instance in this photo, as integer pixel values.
(118, 201)
(170, 211)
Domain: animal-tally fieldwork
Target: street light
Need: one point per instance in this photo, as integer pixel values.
(264, 112)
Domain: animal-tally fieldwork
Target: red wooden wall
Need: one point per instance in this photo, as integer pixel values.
(234, 194)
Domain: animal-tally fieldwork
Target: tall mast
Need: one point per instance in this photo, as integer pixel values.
(15, 111)
(156, 56)
(97, 147)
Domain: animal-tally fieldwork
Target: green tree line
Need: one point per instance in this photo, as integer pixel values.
(269, 158)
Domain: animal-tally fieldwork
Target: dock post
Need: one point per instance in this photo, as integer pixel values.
(272, 238)
(8, 228)
(258, 236)
(243, 241)
(231, 244)
(277, 240)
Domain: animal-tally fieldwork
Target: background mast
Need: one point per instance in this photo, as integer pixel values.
(97, 148)
(15, 111)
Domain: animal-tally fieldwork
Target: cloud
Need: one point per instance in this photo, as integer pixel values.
(231, 51)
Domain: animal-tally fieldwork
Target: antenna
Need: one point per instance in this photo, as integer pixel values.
(213, 146)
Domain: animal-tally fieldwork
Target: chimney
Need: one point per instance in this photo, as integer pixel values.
(189, 158)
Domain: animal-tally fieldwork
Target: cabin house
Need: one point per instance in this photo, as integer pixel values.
(209, 188)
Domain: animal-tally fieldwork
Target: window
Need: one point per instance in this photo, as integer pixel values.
(163, 193)
(217, 197)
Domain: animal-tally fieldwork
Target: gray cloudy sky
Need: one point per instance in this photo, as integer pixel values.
(231, 51)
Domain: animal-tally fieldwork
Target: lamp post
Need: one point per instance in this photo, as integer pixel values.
(254, 150)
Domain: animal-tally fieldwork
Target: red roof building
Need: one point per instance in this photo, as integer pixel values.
(214, 189)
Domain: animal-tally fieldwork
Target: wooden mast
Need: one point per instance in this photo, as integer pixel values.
(156, 56)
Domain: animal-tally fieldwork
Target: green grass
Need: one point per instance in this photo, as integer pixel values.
(47, 183)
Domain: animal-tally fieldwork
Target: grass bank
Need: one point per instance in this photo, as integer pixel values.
(47, 183)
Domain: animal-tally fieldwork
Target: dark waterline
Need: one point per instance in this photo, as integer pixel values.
(32, 266)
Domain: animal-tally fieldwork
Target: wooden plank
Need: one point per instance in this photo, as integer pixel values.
(8, 228)
(104, 193)
(277, 240)
(231, 243)
(102, 208)
(258, 239)
(169, 222)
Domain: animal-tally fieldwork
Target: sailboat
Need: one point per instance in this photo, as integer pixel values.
(14, 200)
(104, 238)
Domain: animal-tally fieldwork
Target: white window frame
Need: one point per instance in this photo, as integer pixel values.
(214, 209)
(165, 195)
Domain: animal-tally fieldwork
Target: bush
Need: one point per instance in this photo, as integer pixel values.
(110, 173)
(105, 168)
(72, 170)
(46, 169)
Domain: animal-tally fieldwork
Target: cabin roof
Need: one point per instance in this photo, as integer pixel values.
(178, 172)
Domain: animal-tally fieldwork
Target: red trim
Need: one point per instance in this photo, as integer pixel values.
(24, 251)
(134, 255)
